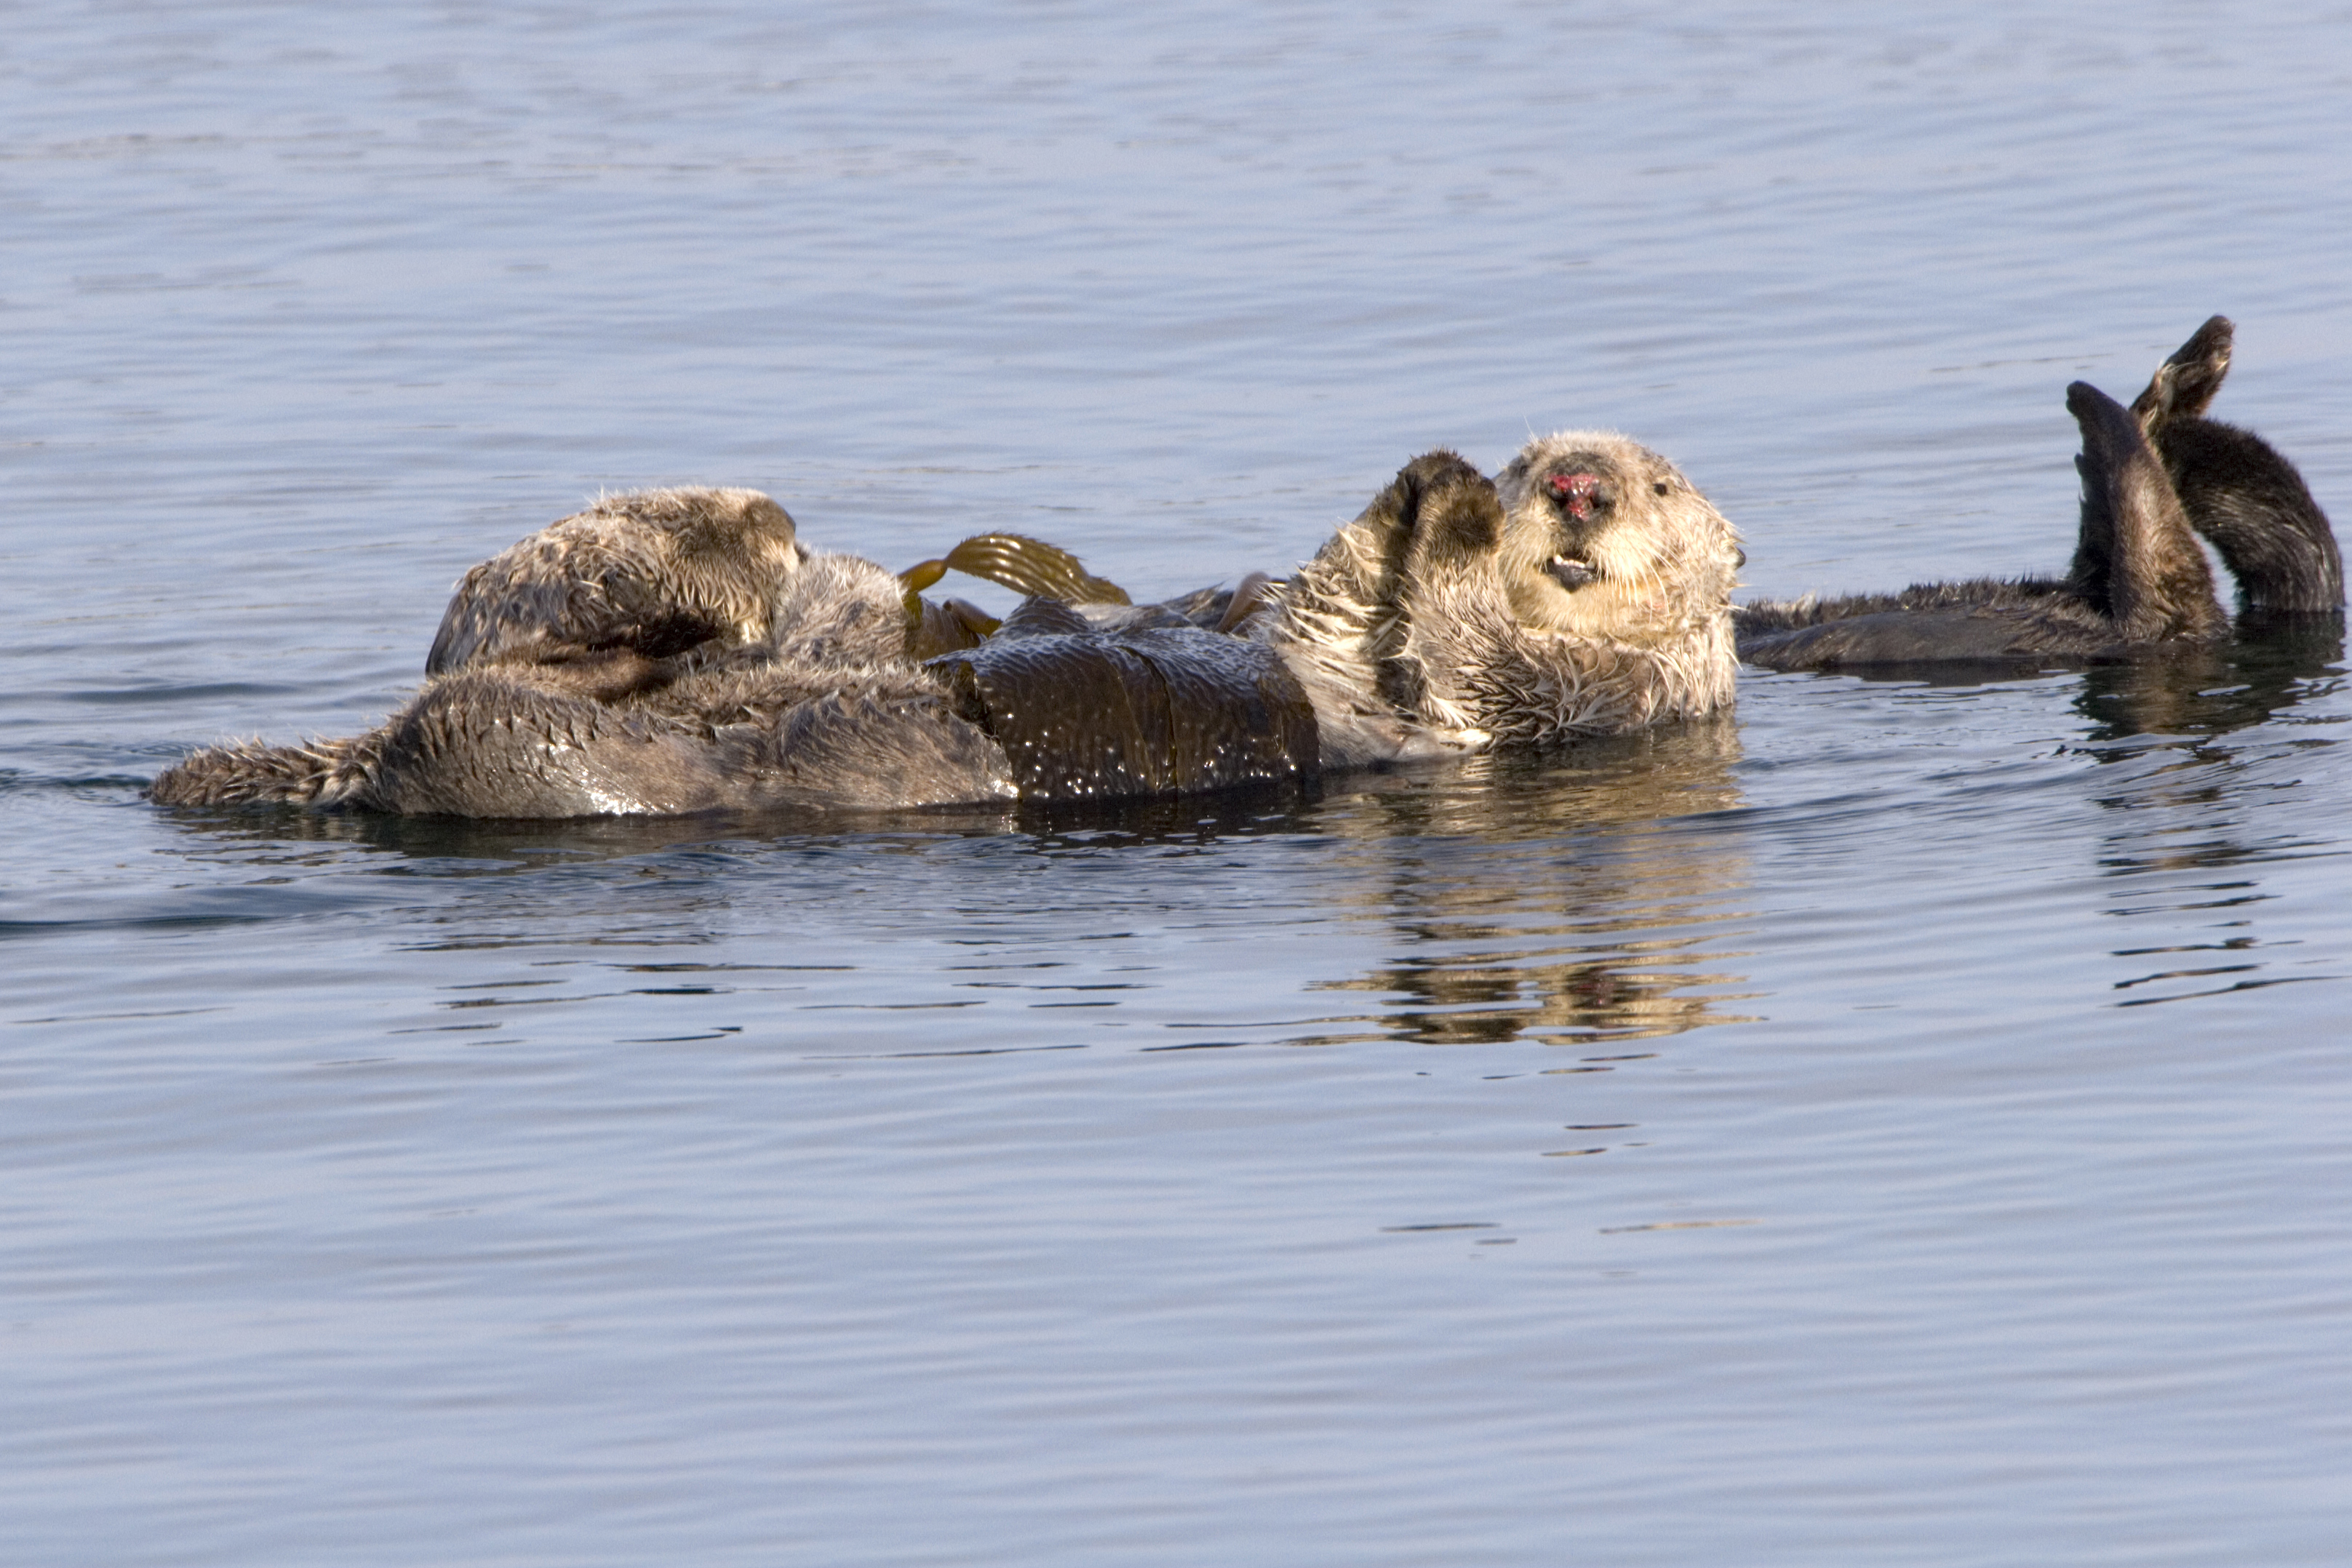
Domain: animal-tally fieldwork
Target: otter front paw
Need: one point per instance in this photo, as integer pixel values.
(1429, 474)
(1394, 516)
(1461, 518)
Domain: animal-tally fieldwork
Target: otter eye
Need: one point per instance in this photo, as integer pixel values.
(1662, 486)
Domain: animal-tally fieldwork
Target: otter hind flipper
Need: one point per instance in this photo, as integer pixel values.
(2246, 498)
(2136, 558)
(2184, 386)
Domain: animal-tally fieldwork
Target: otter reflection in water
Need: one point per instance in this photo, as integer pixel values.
(1579, 908)
(681, 650)
(2155, 476)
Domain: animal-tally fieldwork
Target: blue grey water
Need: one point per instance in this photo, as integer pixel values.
(1910, 1127)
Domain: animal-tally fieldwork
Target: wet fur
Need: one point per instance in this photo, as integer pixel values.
(1433, 622)
(2154, 477)
(813, 699)
(679, 651)
(654, 573)
(822, 708)
(2239, 492)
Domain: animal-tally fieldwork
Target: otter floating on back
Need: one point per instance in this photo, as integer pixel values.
(1586, 592)
(2155, 476)
(808, 700)
(681, 650)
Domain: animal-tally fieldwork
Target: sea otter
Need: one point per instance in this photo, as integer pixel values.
(681, 650)
(2154, 477)
(824, 709)
(1586, 591)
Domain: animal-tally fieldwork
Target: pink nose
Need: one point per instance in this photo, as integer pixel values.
(1575, 492)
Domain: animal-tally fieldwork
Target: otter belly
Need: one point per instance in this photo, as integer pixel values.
(1083, 715)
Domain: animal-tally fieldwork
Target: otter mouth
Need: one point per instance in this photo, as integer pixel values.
(1576, 495)
(1570, 573)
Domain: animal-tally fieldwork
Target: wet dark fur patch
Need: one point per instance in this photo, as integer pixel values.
(1157, 710)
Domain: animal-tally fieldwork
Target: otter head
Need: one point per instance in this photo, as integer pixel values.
(732, 553)
(695, 564)
(1603, 537)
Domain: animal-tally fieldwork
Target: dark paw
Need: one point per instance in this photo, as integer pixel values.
(1394, 516)
(1461, 517)
(1431, 472)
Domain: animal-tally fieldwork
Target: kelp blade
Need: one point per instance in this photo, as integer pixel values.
(943, 628)
(1030, 566)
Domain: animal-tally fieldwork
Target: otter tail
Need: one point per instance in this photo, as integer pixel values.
(247, 772)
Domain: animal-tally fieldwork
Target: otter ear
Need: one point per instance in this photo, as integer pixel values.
(2136, 558)
(2184, 386)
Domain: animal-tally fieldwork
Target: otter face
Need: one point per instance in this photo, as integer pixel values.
(738, 550)
(720, 557)
(1603, 537)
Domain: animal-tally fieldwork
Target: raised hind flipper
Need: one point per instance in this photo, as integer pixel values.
(2238, 491)
(2136, 558)
(2184, 385)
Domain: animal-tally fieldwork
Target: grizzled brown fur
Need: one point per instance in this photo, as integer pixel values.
(832, 714)
(557, 705)
(657, 572)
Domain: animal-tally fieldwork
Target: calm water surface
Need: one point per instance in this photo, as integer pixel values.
(1904, 1126)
